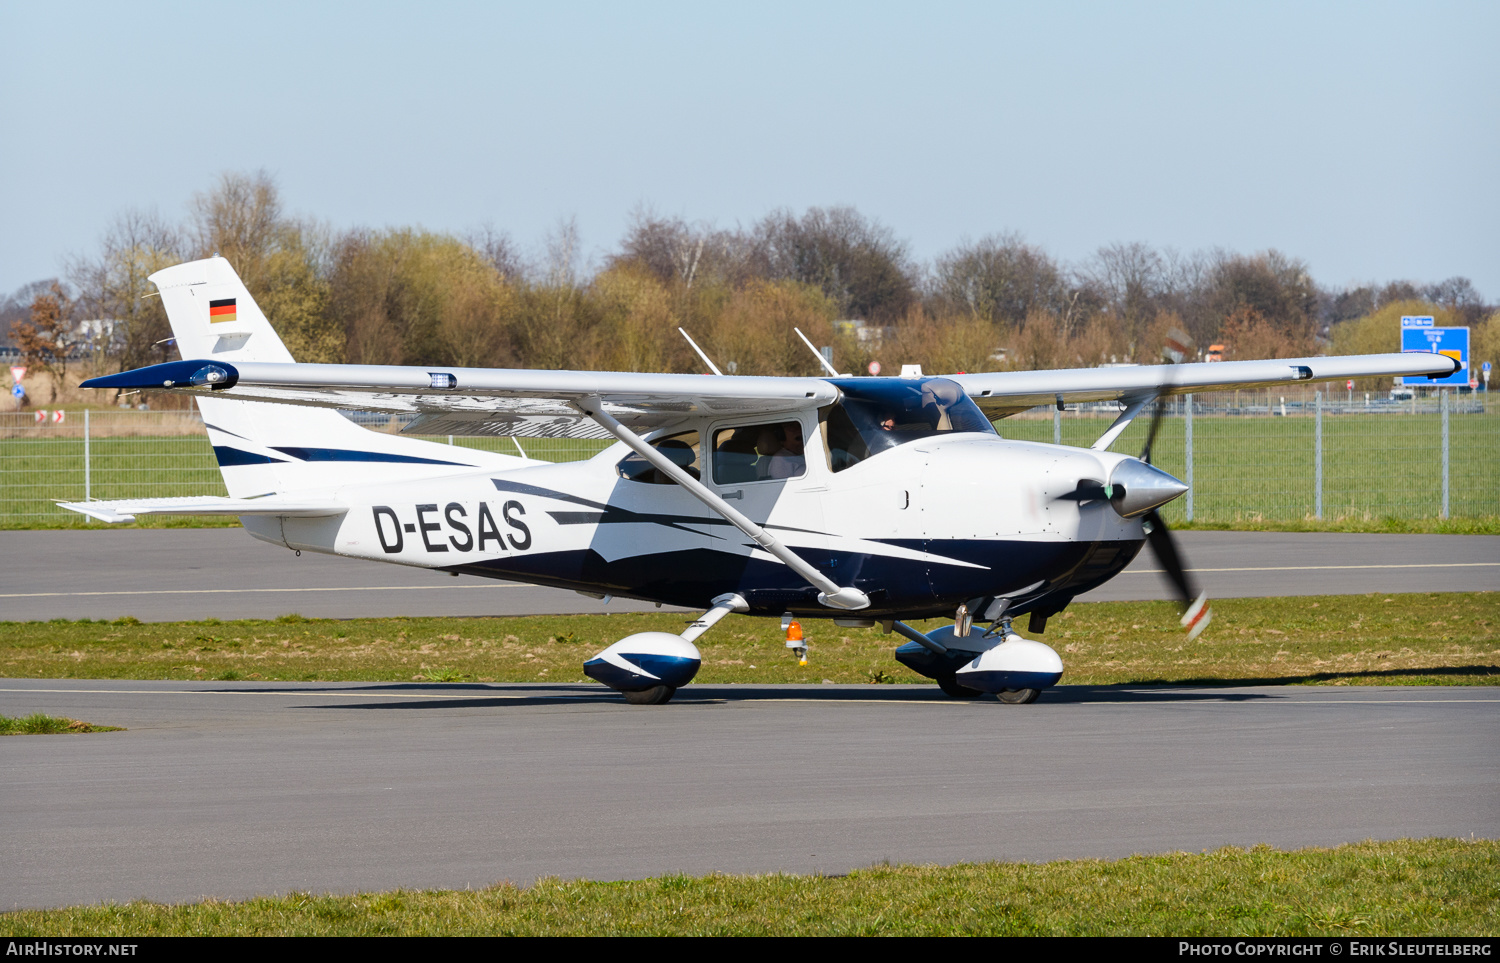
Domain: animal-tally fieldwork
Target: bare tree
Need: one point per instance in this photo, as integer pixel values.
(499, 251)
(1002, 278)
(1346, 304)
(667, 247)
(856, 262)
(1394, 291)
(562, 259)
(1459, 294)
(1276, 289)
(241, 220)
(113, 286)
(284, 263)
(1130, 277)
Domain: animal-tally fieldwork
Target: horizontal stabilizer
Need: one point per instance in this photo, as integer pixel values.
(126, 510)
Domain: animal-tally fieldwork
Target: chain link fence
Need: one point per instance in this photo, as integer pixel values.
(105, 454)
(1295, 454)
(1279, 455)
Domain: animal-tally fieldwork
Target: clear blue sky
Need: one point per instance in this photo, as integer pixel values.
(1362, 137)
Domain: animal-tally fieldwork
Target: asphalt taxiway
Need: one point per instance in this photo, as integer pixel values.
(173, 574)
(234, 789)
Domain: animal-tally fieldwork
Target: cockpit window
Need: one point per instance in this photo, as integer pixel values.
(872, 416)
(682, 449)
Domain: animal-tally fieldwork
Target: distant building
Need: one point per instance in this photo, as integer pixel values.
(868, 335)
(107, 334)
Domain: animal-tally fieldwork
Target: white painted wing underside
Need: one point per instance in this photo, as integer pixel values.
(524, 403)
(1013, 391)
(538, 404)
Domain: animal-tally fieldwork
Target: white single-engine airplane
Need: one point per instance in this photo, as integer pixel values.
(865, 500)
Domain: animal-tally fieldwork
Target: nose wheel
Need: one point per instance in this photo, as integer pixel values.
(1017, 697)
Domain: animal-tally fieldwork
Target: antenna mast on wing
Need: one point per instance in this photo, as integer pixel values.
(821, 360)
(706, 360)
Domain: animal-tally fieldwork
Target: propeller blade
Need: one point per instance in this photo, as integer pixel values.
(1158, 409)
(1196, 613)
(1177, 348)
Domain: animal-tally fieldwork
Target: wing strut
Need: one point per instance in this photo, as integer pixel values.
(1133, 407)
(830, 593)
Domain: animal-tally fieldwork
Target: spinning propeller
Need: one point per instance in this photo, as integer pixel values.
(1196, 613)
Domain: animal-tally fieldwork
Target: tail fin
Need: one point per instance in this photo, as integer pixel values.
(213, 315)
(265, 448)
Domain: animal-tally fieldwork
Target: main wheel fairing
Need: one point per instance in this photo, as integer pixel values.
(646, 660)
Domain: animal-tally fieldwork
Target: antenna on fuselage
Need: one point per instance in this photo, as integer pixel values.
(706, 360)
(827, 365)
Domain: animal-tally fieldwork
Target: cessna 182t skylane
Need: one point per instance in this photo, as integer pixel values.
(865, 500)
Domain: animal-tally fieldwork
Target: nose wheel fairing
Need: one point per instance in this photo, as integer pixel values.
(994, 663)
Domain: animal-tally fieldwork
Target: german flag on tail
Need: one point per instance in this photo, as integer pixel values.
(222, 310)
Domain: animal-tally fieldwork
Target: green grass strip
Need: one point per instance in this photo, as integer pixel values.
(1415, 639)
(1443, 887)
(38, 724)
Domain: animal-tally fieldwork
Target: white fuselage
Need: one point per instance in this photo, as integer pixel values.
(930, 522)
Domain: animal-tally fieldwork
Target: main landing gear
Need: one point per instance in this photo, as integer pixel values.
(649, 667)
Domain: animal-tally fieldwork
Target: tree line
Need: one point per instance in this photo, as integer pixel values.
(409, 296)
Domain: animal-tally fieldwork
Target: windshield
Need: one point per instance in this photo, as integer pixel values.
(875, 414)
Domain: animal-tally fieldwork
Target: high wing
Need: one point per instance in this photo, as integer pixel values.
(486, 401)
(1005, 393)
(530, 403)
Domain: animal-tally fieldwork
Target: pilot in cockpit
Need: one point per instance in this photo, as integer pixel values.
(789, 460)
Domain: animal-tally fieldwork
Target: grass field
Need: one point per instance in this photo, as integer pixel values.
(1430, 639)
(1444, 887)
(1381, 472)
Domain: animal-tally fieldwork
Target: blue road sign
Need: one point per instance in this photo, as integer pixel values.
(1453, 342)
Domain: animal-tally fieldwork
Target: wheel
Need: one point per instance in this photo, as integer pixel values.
(951, 687)
(657, 695)
(1018, 697)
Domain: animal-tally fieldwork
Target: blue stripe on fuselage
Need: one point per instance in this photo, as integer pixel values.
(348, 454)
(904, 588)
